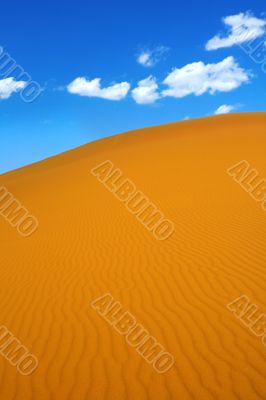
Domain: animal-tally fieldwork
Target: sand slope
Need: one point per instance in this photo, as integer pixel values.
(88, 244)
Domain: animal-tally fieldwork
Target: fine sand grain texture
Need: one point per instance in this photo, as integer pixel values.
(88, 244)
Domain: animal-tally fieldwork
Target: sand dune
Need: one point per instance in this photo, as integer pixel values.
(88, 244)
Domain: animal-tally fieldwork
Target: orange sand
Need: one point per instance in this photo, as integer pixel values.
(88, 244)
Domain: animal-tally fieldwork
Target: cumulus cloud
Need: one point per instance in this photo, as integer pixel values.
(199, 78)
(242, 27)
(146, 91)
(84, 87)
(148, 58)
(224, 109)
(9, 86)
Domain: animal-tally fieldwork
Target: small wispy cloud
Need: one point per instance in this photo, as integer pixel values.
(92, 88)
(8, 86)
(60, 88)
(241, 28)
(46, 122)
(150, 57)
(146, 91)
(224, 109)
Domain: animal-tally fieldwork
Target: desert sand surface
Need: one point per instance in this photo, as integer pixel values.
(88, 244)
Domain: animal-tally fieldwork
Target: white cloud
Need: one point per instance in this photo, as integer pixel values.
(144, 59)
(9, 86)
(84, 87)
(242, 27)
(146, 91)
(224, 109)
(199, 78)
(148, 58)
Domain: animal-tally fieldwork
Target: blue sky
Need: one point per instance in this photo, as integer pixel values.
(158, 53)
